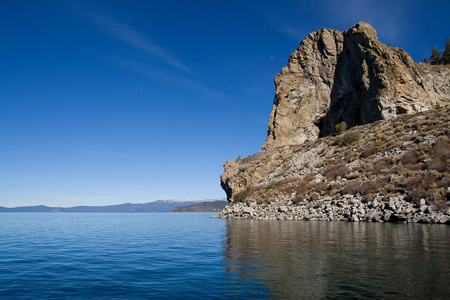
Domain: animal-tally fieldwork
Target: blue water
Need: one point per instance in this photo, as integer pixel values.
(191, 256)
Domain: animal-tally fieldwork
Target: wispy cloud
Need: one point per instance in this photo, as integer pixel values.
(83, 148)
(388, 17)
(184, 77)
(170, 77)
(131, 36)
(285, 27)
(138, 86)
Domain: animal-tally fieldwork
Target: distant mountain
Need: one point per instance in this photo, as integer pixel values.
(214, 206)
(38, 208)
(161, 206)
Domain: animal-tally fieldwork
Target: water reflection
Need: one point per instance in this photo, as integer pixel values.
(292, 260)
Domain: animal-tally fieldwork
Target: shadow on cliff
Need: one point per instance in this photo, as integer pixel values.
(355, 93)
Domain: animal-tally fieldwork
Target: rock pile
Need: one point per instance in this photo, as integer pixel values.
(347, 208)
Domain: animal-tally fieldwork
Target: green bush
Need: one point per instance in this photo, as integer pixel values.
(341, 127)
(270, 187)
(241, 196)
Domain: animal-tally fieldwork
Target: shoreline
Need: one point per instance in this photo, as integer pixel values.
(346, 208)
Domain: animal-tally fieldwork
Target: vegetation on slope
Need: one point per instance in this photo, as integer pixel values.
(408, 155)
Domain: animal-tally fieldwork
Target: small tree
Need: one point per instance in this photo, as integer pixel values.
(446, 53)
(435, 58)
(426, 61)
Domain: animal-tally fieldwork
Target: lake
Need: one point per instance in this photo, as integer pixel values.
(192, 256)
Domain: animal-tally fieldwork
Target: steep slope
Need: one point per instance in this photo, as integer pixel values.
(399, 166)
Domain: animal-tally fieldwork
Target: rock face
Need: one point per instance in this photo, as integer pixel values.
(349, 76)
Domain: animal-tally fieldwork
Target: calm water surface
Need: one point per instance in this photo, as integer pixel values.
(191, 256)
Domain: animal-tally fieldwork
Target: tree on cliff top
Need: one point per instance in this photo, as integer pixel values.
(446, 53)
(435, 58)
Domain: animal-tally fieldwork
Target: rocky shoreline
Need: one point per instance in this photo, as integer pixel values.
(347, 208)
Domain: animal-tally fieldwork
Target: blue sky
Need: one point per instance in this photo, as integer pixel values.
(107, 102)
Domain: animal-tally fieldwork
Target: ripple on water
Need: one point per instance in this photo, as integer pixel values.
(79, 256)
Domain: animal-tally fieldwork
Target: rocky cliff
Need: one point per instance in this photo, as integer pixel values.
(396, 145)
(349, 76)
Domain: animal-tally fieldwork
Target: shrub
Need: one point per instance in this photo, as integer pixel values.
(441, 149)
(444, 182)
(438, 165)
(351, 188)
(319, 187)
(395, 170)
(368, 151)
(381, 164)
(363, 188)
(341, 127)
(241, 196)
(438, 195)
(347, 139)
(298, 198)
(303, 186)
(369, 187)
(334, 171)
(417, 194)
(418, 167)
(369, 197)
(414, 181)
(409, 157)
(308, 177)
(270, 187)
(425, 148)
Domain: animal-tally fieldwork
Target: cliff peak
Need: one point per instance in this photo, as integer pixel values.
(350, 77)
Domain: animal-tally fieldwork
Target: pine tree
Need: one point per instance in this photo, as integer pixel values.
(435, 58)
(446, 53)
(426, 61)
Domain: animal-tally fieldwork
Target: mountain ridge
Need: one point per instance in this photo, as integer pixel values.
(154, 206)
(213, 206)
